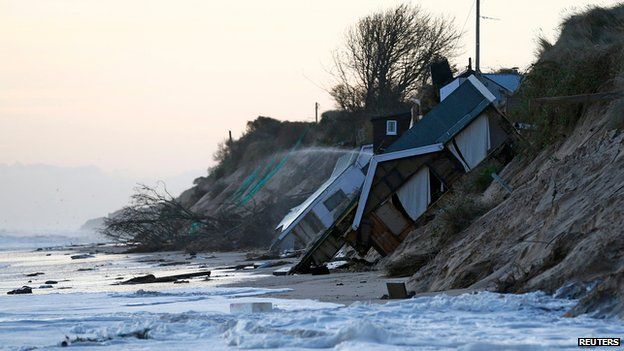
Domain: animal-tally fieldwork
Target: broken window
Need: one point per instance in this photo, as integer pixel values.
(314, 222)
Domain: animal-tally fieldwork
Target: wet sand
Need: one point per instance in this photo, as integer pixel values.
(107, 265)
(344, 288)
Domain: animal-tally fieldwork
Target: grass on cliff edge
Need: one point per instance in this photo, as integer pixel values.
(588, 57)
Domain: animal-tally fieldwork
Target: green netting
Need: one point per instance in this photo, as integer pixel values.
(195, 226)
(271, 172)
(245, 185)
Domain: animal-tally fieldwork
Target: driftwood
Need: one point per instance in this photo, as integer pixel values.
(150, 278)
(22, 290)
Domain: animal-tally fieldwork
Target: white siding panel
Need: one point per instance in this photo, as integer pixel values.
(415, 194)
(473, 142)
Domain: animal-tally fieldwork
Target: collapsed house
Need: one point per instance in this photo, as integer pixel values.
(417, 169)
(414, 171)
(319, 211)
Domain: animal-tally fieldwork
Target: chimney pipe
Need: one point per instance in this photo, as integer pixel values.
(416, 111)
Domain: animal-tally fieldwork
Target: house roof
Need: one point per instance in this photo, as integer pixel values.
(509, 81)
(358, 159)
(448, 118)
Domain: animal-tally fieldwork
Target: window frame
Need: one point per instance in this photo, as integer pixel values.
(341, 194)
(389, 123)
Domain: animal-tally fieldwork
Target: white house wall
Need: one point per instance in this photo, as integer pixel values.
(350, 183)
(473, 142)
(415, 194)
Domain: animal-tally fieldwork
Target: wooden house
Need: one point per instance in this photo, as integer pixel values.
(318, 212)
(418, 168)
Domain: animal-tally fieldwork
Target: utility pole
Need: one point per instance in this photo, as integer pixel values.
(231, 141)
(316, 106)
(478, 35)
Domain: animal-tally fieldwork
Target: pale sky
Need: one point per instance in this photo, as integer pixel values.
(149, 87)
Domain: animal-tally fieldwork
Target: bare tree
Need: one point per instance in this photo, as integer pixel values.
(155, 220)
(387, 55)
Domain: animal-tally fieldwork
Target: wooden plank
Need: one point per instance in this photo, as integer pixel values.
(576, 99)
(397, 291)
(383, 240)
(329, 243)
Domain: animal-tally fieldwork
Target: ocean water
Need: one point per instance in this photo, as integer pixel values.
(19, 241)
(96, 315)
(199, 319)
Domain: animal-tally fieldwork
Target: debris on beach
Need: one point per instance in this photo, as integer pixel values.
(34, 274)
(177, 263)
(254, 256)
(150, 278)
(282, 271)
(397, 290)
(81, 256)
(273, 264)
(241, 267)
(319, 270)
(23, 290)
(142, 334)
(251, 307)
(338, 264)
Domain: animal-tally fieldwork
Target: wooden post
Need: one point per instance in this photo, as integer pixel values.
(576, 99)
(316, 106)
(230, 132)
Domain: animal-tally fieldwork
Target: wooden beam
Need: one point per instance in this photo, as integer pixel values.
(576, 99)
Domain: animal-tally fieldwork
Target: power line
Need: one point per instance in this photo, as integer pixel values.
(468, 16)
(465, 22)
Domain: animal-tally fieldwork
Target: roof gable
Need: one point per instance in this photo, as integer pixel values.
(509, 81)
(448, 118)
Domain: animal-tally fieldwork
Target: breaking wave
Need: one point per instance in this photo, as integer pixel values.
(194, 318)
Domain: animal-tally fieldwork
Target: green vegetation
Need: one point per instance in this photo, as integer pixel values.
(480, 178)
(460, 211)
(265, 137)
(587, 58)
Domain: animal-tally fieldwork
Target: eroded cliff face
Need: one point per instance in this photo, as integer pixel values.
(561, 228)
(303, 172)
(562, 224)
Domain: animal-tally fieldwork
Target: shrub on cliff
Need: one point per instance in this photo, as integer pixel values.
(587, 58)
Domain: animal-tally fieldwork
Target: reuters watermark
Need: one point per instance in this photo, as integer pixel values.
(599, 342)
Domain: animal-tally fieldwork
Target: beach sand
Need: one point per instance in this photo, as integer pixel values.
(109, 265)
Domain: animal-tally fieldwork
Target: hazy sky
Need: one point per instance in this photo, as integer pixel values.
(149, 87)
